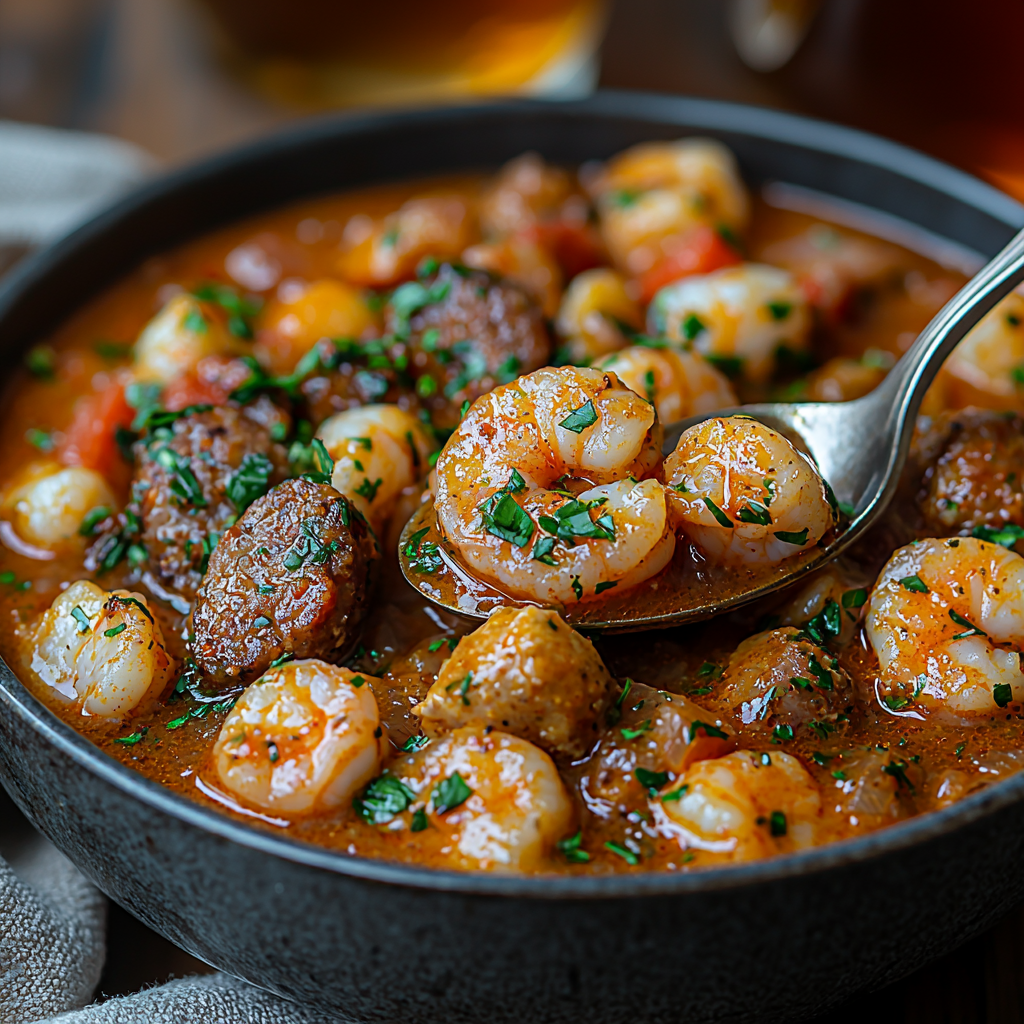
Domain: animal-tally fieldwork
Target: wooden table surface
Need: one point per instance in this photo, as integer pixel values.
(151, 81)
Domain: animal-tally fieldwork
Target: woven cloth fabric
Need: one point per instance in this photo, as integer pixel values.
(52, 931)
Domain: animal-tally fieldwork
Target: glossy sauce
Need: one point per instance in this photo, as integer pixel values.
(172, 739)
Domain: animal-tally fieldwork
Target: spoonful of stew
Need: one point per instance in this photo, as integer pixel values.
(561, 489)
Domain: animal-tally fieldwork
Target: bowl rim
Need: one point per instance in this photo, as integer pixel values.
(693, 114)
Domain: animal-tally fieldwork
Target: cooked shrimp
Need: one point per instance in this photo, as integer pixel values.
(743, 494)
(678, 383)
(385, 252)
(653, 193)
(946, 619)
(746, 805)
(304, 313)
(305, 737)
(526, 672)
(524, 261)
(47, 505)
(593, 311)
(738, 317)
(380, 452)
(484, 800)
(986, 368)
(524, 190)
(495, 501)
(178, 337)
(103, 652)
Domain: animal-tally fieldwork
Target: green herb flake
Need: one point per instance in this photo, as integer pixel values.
(571, 849)
(914, 584)
(577, 588)
(502, 516)
(777, 824)
(579, 419)
(450, 793)
(692, 326)
(779, 310)
(542, 551)
(385, 797)
(632, 734)
(1002, 694)
(92, 519)
(40, 439)
(651, 781)
(788, 537)
(81, 618)
(414, 743)
(420, 821)
(620, 851)
(971, 629)
(720, 516)
(41, 362)
(729, 366)
(1007, 535)
(600, 588)
(782, 733)
(754, 512)
(115, 630)
(709, 730)
(250, 481)
(136, 737)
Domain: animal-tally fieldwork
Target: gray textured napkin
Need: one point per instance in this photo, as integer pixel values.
(52, 931)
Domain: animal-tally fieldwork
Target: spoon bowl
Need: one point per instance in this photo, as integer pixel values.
(859, 447)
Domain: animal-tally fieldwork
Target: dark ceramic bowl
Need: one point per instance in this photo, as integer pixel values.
(374, 941)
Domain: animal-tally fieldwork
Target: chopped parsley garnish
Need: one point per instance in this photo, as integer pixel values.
(570, 848)
(385, 797)
(723, 519)
(620, 851)
(823, 759)
(777, 824)
(240, 310)
(410, 298)
(450, 793)
(710, 669)
(959, 750)
(839, 774)
(971, 629)
(675, 794)
(283, 660)
(577, 588)
(81, 618)
(788, 537)
(368, 489)
(194, 321)
(821, 673)
(914, 584)
(41, 439)
(1007, 535)
(894, 702)
(463, 687)
(542, 551)
(854, 599)
(780, 310)
(579, 419)
(183, 481)
(321, 459)
(504, 517)
(414, 743)
(600, 588)
(136, 737)
(709, 730)
(424, 557)
(308, 547)
(754, 512)
(436, 645)
(615, 711)
(420, 821)
(115, 630)
(631, 734)
(651, 781)
(1002, 694)
(692, 326)
(250, 481)
(827, 623)
(573, 520)
(515, 483)
(782, 733)
(92, 519)
(112, 350)
(898, 770)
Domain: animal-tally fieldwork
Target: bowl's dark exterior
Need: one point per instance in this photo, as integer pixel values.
(380, 942)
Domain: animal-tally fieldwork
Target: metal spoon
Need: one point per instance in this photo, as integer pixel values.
(860, 448)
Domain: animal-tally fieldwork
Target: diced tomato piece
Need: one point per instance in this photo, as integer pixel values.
(701, 251)
(90, 439)
(575, 246)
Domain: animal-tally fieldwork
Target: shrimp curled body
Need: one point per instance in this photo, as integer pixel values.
(496, 501)
(946, 619)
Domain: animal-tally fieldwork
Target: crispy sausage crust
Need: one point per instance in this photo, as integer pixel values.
(290, 577)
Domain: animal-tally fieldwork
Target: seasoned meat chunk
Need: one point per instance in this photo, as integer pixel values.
(526, 672)
(194, 479)
(290, 577)
(466, 333)
(782, 677)
(973, 471)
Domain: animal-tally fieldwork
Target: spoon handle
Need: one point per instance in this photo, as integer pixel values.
(909, 380)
